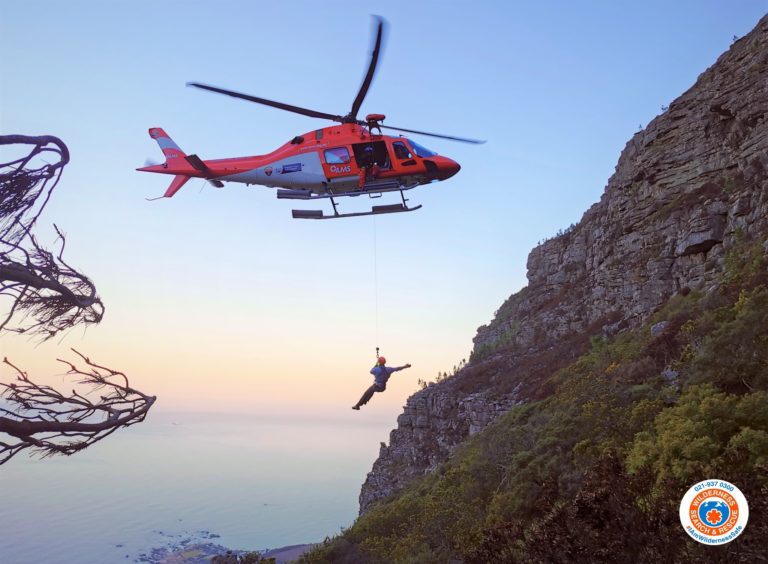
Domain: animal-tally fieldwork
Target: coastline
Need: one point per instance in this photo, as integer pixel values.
(208, 552)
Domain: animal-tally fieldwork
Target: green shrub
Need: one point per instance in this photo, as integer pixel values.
(610, 450)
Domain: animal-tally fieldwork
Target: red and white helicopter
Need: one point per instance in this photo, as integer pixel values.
(350, 159)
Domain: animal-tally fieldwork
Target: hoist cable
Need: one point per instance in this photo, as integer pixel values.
(376, 283)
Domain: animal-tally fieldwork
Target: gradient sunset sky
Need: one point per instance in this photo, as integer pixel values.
(216, 299)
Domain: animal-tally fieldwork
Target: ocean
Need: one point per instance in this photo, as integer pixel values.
(246, 482)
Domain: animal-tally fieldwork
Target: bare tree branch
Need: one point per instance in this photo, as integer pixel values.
(25, 182)
(46, 294)
(43, 419)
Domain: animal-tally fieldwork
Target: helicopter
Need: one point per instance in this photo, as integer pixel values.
(351, 159)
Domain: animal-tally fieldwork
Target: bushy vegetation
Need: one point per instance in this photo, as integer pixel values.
(595, 471)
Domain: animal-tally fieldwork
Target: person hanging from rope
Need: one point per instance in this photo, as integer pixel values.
(381, 374)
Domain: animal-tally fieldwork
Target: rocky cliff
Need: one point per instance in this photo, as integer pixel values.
(687, 189)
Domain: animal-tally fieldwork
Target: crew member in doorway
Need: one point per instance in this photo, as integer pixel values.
(381, 373)
(369, 168)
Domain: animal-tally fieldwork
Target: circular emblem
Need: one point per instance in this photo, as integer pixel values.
(714, 512)
(268, 171)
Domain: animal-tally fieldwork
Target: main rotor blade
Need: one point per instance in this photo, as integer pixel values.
(278, 105)
(371, 70)
(451, 137)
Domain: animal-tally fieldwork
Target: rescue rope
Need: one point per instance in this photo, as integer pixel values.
(376, 282)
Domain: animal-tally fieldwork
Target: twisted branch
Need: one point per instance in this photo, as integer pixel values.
(25, 179)
(46, 294)
(41, 418)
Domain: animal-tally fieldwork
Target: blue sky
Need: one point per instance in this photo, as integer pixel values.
(217, 299)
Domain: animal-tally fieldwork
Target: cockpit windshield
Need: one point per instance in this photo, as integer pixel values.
(420, 150)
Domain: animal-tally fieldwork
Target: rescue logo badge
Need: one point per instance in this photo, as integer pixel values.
(714, 512)
(268, 171)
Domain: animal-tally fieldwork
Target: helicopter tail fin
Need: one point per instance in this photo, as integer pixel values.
(178, 163)
(170, 149)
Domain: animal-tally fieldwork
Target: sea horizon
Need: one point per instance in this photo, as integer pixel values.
(245, 481)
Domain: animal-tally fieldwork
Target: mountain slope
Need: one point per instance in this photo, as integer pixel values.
(687, 190)
(634, 364)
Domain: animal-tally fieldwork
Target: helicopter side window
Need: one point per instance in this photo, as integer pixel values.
(337, 155)
(401, 151)
(420, 150)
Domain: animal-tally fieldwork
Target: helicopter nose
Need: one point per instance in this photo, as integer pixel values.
(447, 168)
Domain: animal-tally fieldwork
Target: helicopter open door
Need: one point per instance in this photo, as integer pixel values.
(372, 153)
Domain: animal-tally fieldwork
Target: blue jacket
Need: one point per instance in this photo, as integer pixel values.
(382, 373)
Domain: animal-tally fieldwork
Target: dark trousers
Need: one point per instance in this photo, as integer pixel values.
(370, 391)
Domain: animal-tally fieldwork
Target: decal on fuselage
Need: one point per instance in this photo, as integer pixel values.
(304, 171)
(336, 169)
(292, 167)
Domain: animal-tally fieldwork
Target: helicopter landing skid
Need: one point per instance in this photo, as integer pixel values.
(375, 210)
(371, 190)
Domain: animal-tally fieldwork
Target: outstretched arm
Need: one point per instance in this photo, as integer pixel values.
(402, 367)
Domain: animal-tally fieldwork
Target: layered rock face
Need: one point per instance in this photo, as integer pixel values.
(433, 422)
(687, 189)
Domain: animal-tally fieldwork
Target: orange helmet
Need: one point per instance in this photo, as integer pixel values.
(382, 360)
